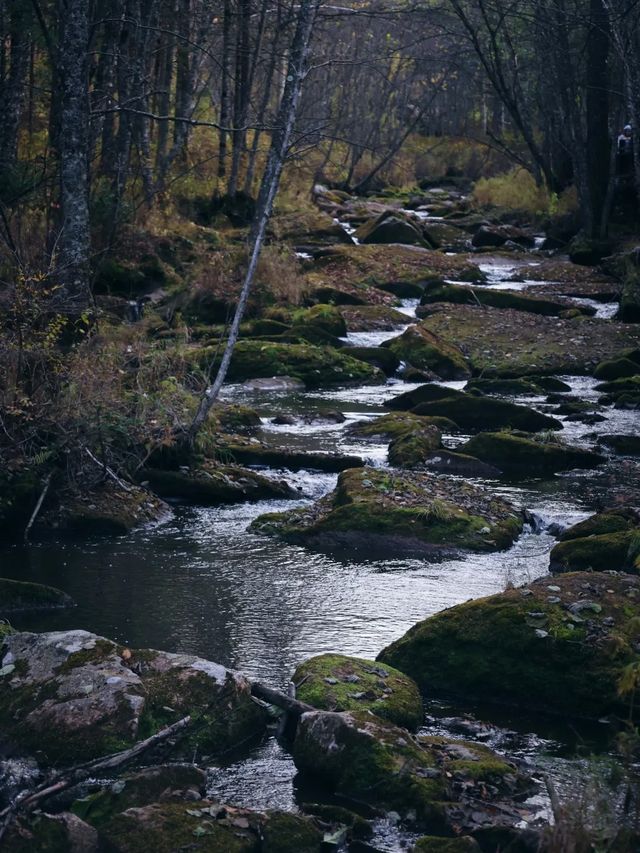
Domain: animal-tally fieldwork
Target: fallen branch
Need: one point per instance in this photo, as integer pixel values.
(109, 471)
(273, 697)
(34, 514)
(64, 779)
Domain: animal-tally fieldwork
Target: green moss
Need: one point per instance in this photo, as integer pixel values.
(20, 595)
(315, 366)
(411, 449)
(424, 394)
(398, 424)
(337, 683)
(289, 833)
(101, 651)
(167, 827)
(600, 553)
(505, 387)
(495, 298)
(493, 649)
(487, 413)
(326, 317)
(610, 521)
(434, 844)
(518, 454)
(615, 368)
(415, 506)
(237, 419)
(166, 782)
(426, 351)
(5, 629)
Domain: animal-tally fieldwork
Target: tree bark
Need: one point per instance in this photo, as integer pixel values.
(74, 242)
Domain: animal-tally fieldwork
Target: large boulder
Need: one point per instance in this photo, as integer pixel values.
(413, 448)
(334, 682)
(396, 512)
(72, 696)
(429, 779)
(391, 227)
(423, 394)
(379, 357)
(524, 456)
(208, 827)
(20, 595)
(212, 485)
(504, 343)
(373, 318)
(465, 295)
(625, 444)
(426, 351)
(486, 413)
(107, 508)
(326, 317)
(397, 424)
(606, 541)
(315, 366)
(560, 645)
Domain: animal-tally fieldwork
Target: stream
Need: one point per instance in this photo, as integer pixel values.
(200, 583)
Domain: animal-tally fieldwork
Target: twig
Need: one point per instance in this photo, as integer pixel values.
(34, 514)
(473, 293)
(556, 808)
(109, 471)
(64, 779)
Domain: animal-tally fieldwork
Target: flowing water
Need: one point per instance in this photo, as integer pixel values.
(200, 582)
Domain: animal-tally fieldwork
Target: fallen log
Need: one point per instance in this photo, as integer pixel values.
(273, 697)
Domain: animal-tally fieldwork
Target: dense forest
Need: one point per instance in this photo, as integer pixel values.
(320, 358)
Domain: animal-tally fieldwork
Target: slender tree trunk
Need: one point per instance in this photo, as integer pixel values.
(280, 142)
(74, 244)
(14, 88)
(598, 134)
(225, 91)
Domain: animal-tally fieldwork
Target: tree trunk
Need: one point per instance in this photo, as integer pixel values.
(74, 243)
(14, 88)
(280, 142)
(598, 134)
(225, 91)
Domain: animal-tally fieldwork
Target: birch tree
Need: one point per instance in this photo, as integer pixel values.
(280, 142)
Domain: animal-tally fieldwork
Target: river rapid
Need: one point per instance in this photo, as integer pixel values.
(200, 582)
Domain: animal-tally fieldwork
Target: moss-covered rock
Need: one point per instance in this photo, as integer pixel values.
(615, 368)
(524, 456)
(20, 595)
(396, 424)
(391, 227)
(550, 384)
(326, 317)
(627, 445)
(424, 350)
(463, 295)
(282, 457)
(629, 311)
(423, 394)
(212, 485)
(486, 413)
(411, 449)
(338, 683)
(51, 833)
(379, 357)
(503, 343)
(459, 464)
(506, 387)
(560, 645)
(405, 512)
(165, 782)
(362, 757)
(71, 696)
(236, 418)
(438, 844)
(600, 553)
(373, 318)
(313, 365)
(209, 827)
(106, 509)
(613, 520)
(620, 386)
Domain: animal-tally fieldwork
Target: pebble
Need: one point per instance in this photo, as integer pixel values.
(553, 599)
(553, 588)
(541, 634)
